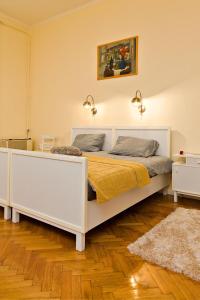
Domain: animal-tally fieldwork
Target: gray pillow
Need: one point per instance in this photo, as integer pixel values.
(89, 142)
(132, 146)
(67, 150)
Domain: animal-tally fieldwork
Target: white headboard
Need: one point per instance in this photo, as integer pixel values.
(160, 134)
(108, 131)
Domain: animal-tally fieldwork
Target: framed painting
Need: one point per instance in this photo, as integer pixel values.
(117, 59)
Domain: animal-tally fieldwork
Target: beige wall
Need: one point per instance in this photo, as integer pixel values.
(64, 69)
(14, 62)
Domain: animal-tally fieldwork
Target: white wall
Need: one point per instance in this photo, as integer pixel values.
(64, 69)
(14, 81)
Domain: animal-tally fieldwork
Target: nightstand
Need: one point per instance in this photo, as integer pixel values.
(186, 176)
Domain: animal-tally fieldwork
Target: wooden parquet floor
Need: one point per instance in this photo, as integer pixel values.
(39, 262)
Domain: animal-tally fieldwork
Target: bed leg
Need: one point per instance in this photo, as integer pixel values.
(7, 213)
(15, 216)
(175, 197)
(80, 241)
(165, 191)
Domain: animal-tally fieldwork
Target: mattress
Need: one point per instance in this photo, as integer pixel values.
(156, 165)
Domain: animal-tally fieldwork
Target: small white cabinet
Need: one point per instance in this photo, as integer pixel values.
(186, 177)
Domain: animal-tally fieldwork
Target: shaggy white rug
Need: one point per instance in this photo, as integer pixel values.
(174, 243)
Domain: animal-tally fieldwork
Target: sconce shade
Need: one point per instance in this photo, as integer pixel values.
(87, 104)
(135, 100)
(94, 111)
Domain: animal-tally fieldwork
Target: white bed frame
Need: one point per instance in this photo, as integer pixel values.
(4, 182)
(53, 188)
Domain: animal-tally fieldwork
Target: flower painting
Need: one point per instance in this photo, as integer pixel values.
(118, 59)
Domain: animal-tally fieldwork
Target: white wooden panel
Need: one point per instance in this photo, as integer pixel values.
(51, 188)
(99, 213)
(186, 179)
(93, 130)
(160, 134)
(4, 176)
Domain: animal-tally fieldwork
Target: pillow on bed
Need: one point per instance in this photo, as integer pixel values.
(132, 146)
(89, 142)
(66, 150)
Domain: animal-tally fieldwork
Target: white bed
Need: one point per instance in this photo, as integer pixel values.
(53, 188)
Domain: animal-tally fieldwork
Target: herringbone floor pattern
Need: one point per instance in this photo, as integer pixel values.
(38, 261)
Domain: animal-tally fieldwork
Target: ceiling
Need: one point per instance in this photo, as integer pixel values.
(33, 11)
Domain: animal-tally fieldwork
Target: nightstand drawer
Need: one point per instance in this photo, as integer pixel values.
(193, 161)
(186, 179)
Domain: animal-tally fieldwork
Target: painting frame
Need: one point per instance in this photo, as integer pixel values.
(104, 71)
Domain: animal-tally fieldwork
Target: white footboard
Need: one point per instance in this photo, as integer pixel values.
(51, 188)
(4, 182)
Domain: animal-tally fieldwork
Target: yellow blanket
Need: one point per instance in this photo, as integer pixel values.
(110, 177)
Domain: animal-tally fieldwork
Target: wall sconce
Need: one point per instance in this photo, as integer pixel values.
(90, 104)
(137, 100)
